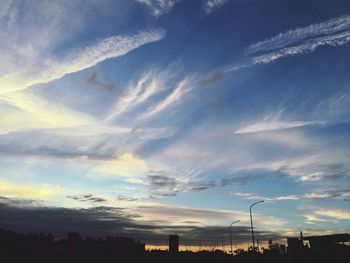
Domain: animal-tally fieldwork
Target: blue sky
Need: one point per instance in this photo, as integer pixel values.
(175, 116)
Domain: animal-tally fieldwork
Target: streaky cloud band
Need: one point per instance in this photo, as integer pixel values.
(306, 47)
(80, 59)
(294, 36)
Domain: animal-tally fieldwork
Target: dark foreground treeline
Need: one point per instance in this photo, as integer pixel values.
(41, 248)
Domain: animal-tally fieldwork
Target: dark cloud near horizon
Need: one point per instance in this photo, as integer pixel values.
(19, 201)
(96, 221)
(17, 215)
(87, 198)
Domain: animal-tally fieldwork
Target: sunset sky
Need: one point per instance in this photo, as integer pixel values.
(153, 117)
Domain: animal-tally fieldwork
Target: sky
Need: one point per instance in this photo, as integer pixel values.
(146, 118)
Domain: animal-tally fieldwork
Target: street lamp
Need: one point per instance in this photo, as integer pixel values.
(251, 221)
(231, 234)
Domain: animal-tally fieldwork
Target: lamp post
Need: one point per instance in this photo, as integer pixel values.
(251, 221)
(231, 234)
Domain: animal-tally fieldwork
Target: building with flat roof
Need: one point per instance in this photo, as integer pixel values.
(325, 249)
(174, 243)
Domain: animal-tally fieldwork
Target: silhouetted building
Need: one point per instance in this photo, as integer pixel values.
(42, 248)
(324, 242)
(174, 243)
(325, 249)
(296, 249)
(73, 246)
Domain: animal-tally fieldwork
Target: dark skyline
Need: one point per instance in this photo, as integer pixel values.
(41, 247)
(145, 118)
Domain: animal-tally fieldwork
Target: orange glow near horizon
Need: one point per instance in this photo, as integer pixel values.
(195, 246)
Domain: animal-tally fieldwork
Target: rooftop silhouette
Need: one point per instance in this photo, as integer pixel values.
(40, 247)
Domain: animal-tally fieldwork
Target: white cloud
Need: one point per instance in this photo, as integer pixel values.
(334, 193)
(48, 69)
(307, 47)
(318, 161)
(312, 177)
(179, 214)
(272, 125)
(23, 111)
(311, 219)
(335, 108)
(173, 98)
(210, 5)
(250, 196)
(44, 191)
(150, 83)
(293, 153)
(293, 36)
(317, 214)
(154, 133)
(159, 7)
(334, 32)
(127, 165)
(336, 213)
(291, 139)
(317, 195)
(39, 44)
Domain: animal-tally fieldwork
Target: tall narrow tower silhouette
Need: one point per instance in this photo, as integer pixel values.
(173, 243)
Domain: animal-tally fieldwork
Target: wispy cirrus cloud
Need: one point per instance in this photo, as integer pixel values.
(179, 214)
(250, 196)
(317, 214)
(302, 156)
(50, 68)
(336, 213)
(43, 191)
(293, 36)
(153, 93)
(334, 193)
(333, 32)
(273, 125)
(339, 193)
(126, 165)
(159, 7)
(149, 84)
(210, 5)
(40, 44)
(24, 111)
(241, 180)
(327, 164)
(273, 122)
(304, 48)
(182, 87)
